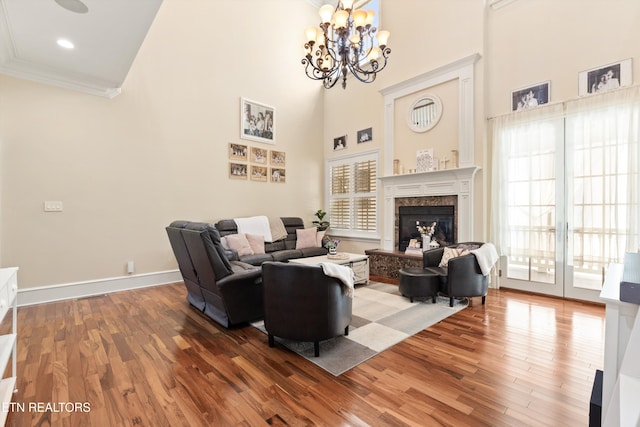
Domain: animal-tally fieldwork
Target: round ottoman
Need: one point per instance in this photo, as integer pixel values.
(418, 282)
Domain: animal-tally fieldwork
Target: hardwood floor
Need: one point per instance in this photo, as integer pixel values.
(145, 358)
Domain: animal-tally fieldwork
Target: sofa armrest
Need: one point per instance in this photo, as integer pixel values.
(238, 278)
(242, 295)
(432, 257)
(465, 277)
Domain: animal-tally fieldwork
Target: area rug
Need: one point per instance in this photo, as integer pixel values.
(381, 318)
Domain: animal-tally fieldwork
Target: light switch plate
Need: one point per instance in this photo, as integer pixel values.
(53, 206)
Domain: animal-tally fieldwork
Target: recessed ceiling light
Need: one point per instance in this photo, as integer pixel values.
(73, 5)
(65, 44)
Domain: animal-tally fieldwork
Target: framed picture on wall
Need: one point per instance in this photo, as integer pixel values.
(365, 135)
(257, 121)
(425, 161)
(237, 170)
(259, 155)
(530, 96)
(278, 175)
(340, 143)
(258, 173)
(605, 78)
(277, 158)
(237, 152)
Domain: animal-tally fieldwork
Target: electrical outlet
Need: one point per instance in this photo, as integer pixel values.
(52, 206)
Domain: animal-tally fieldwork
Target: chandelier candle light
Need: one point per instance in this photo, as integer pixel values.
(345, 43)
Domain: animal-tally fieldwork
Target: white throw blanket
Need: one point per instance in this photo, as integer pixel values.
(255, 225)
(486, 256)
(342, 273)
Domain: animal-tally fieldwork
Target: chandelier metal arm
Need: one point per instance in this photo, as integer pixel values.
(345, 48)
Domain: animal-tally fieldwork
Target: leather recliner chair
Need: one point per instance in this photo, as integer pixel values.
(231, 290)
(188, 271)
(301, 303)
(462, 277)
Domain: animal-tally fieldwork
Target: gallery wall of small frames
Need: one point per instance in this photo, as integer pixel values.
(256, 164)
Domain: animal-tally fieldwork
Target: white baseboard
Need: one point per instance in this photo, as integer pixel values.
(43, 294)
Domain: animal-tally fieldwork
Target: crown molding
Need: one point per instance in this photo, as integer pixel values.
(20, 69)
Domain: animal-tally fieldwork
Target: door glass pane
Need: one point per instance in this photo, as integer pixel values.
(598, 185)
(531, 212)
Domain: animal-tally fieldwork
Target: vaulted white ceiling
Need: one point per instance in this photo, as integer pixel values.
(107, 38)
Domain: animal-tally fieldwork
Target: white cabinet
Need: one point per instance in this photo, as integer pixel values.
(8, 306)
(621, 373)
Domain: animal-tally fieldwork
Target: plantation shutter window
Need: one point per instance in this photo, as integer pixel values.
(353, 195)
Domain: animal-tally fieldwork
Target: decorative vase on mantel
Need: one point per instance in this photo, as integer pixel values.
(428, 243)
(426, 240)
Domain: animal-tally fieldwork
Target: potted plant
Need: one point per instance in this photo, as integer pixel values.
(332, 245)
(320, 223)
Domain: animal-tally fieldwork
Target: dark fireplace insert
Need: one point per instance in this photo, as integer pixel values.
(409, 217)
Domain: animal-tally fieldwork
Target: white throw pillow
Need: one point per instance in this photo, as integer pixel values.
(239, 243)
(306, 238)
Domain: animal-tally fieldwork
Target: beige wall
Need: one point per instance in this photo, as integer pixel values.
(442, 138)
(126, 167)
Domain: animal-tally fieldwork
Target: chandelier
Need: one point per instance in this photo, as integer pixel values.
(345, 43)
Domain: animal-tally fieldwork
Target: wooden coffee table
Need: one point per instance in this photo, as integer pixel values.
(359, 263)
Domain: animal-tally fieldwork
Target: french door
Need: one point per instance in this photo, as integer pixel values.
(531, 212)
(565, 198)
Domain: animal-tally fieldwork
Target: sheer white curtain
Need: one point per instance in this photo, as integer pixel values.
(602, 139)
(524, 171)
(576, 165)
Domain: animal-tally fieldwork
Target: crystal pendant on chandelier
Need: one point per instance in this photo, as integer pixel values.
(346, 42)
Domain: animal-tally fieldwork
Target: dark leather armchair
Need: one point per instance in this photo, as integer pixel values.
(462, 277)
(231, 290)
(302, 304)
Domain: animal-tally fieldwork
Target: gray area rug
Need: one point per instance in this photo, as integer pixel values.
(381, 318)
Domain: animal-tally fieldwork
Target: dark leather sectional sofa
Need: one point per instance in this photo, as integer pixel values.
(281, 250)
(225, 287)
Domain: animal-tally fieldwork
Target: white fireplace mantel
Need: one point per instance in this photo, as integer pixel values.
(446, 182)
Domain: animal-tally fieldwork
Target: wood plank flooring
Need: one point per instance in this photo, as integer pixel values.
(146, 358)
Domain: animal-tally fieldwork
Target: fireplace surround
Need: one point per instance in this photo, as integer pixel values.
(458, 182)
(455, 185)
